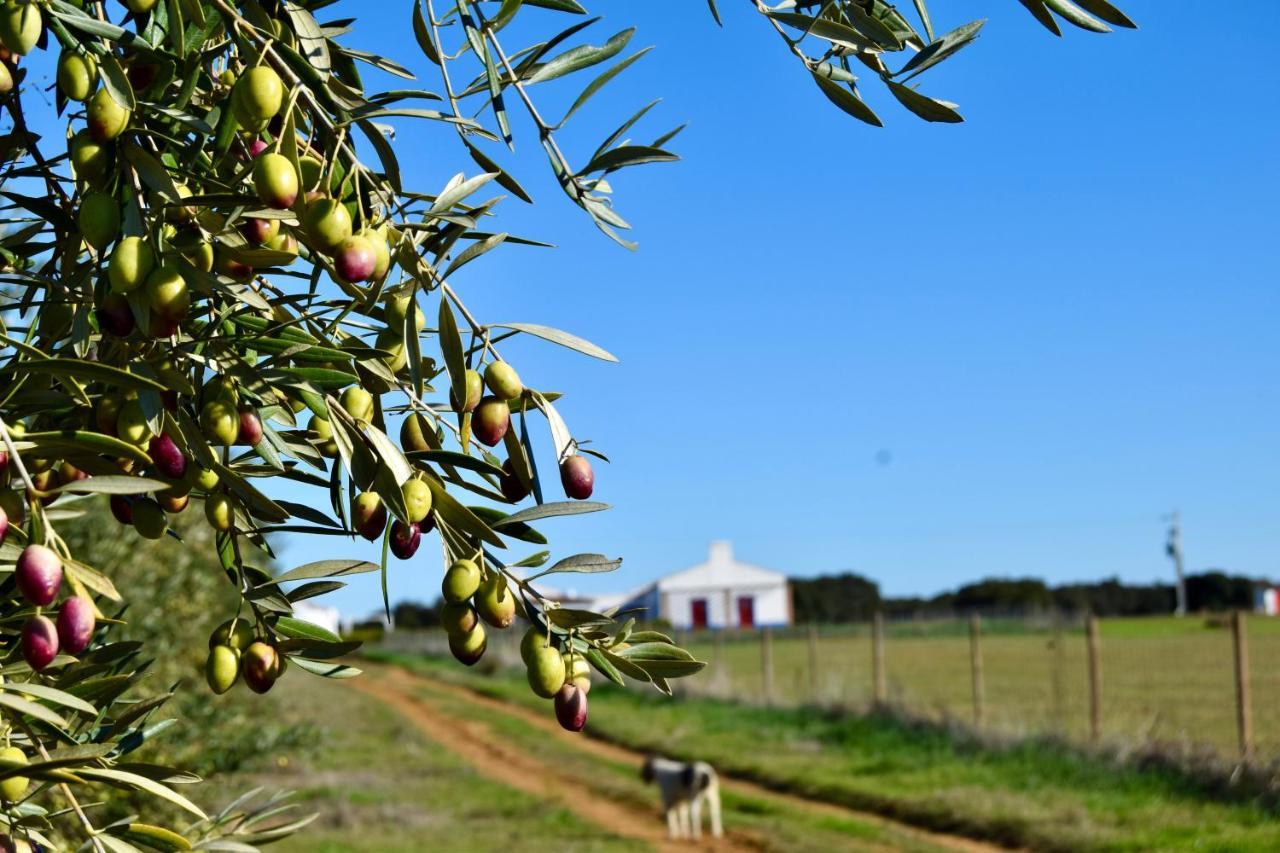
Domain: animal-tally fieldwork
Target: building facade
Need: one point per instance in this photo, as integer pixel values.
(719, 593)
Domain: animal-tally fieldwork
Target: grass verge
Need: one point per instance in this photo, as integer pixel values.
(1037, 794)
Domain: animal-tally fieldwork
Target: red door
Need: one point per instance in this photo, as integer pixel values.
(746, 612)
(699, 613)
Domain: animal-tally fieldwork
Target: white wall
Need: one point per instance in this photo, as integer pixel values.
(772, 606)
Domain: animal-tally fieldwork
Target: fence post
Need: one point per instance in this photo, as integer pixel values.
(1244, 709)
(1095, 677)
(813, 662)
(975, 666)
(1058, 675)
(721, 679)
(877, 659)
(766, 664)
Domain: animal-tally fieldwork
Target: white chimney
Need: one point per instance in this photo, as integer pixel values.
(721, 553)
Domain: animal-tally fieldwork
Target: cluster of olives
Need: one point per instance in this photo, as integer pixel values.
(38, 575)
(235, 650)
(473, 597)
(490, 421)
(470, 596)
(121, 416)
(144, 296)
(563, 676)
(148, 264)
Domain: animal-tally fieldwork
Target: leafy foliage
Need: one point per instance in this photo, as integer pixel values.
(212, 259)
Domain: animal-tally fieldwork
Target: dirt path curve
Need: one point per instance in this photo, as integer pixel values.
(497, 760)
(397, 687)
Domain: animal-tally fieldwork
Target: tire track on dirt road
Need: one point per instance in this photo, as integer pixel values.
(490, 756)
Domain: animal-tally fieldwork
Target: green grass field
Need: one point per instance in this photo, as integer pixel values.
(1034, 794)
(1165, 680)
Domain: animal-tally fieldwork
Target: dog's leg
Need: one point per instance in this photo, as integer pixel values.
(684, 820)
(713, 801)
(695, 816)
(673, 829)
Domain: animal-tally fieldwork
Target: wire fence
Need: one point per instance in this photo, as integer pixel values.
(1195, 683)
(1201, 684)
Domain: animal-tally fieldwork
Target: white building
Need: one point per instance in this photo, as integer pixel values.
(317, 614)
(720, 593)
(1266, 599)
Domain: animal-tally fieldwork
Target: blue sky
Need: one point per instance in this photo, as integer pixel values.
(1057, 319)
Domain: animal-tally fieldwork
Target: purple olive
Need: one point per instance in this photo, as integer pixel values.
(355, 259)
(39, 574)
(577, 477)
(513, 488)
(260, 666)
(75, 624)
(405, 539)
(427, 524)
(571, 707)
(167, 456)
(250, 427)
(39, 642)
(259, 231)
(122, 509)
(4, 525)
(115, 316)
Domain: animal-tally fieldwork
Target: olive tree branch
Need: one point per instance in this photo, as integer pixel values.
(66, 792)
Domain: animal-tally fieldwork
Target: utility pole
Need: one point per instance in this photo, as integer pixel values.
(1174, 550)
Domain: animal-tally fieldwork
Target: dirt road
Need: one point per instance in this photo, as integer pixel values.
(411, 695)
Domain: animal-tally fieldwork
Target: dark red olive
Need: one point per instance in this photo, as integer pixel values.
(115, 316)
(39, 574)
(405, 538)
(169, 459)
(163, 327)
(142, 75)
(355, 259)
(259, 231)
(75, 624)
(122, 509)
(39, 642)
(260, 665)
(513, 488)
(427, 524)
(250, 427)
(571, 707)
(369, 515)
(577, 477)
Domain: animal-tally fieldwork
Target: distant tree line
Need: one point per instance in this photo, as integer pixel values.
(849, 597)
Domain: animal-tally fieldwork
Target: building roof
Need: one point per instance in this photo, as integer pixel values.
(719, 571)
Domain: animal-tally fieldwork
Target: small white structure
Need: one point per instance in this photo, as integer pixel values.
(720, 593)
(1266, 599)
(326, 617)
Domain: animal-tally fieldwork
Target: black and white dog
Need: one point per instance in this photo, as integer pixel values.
(685, 787)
